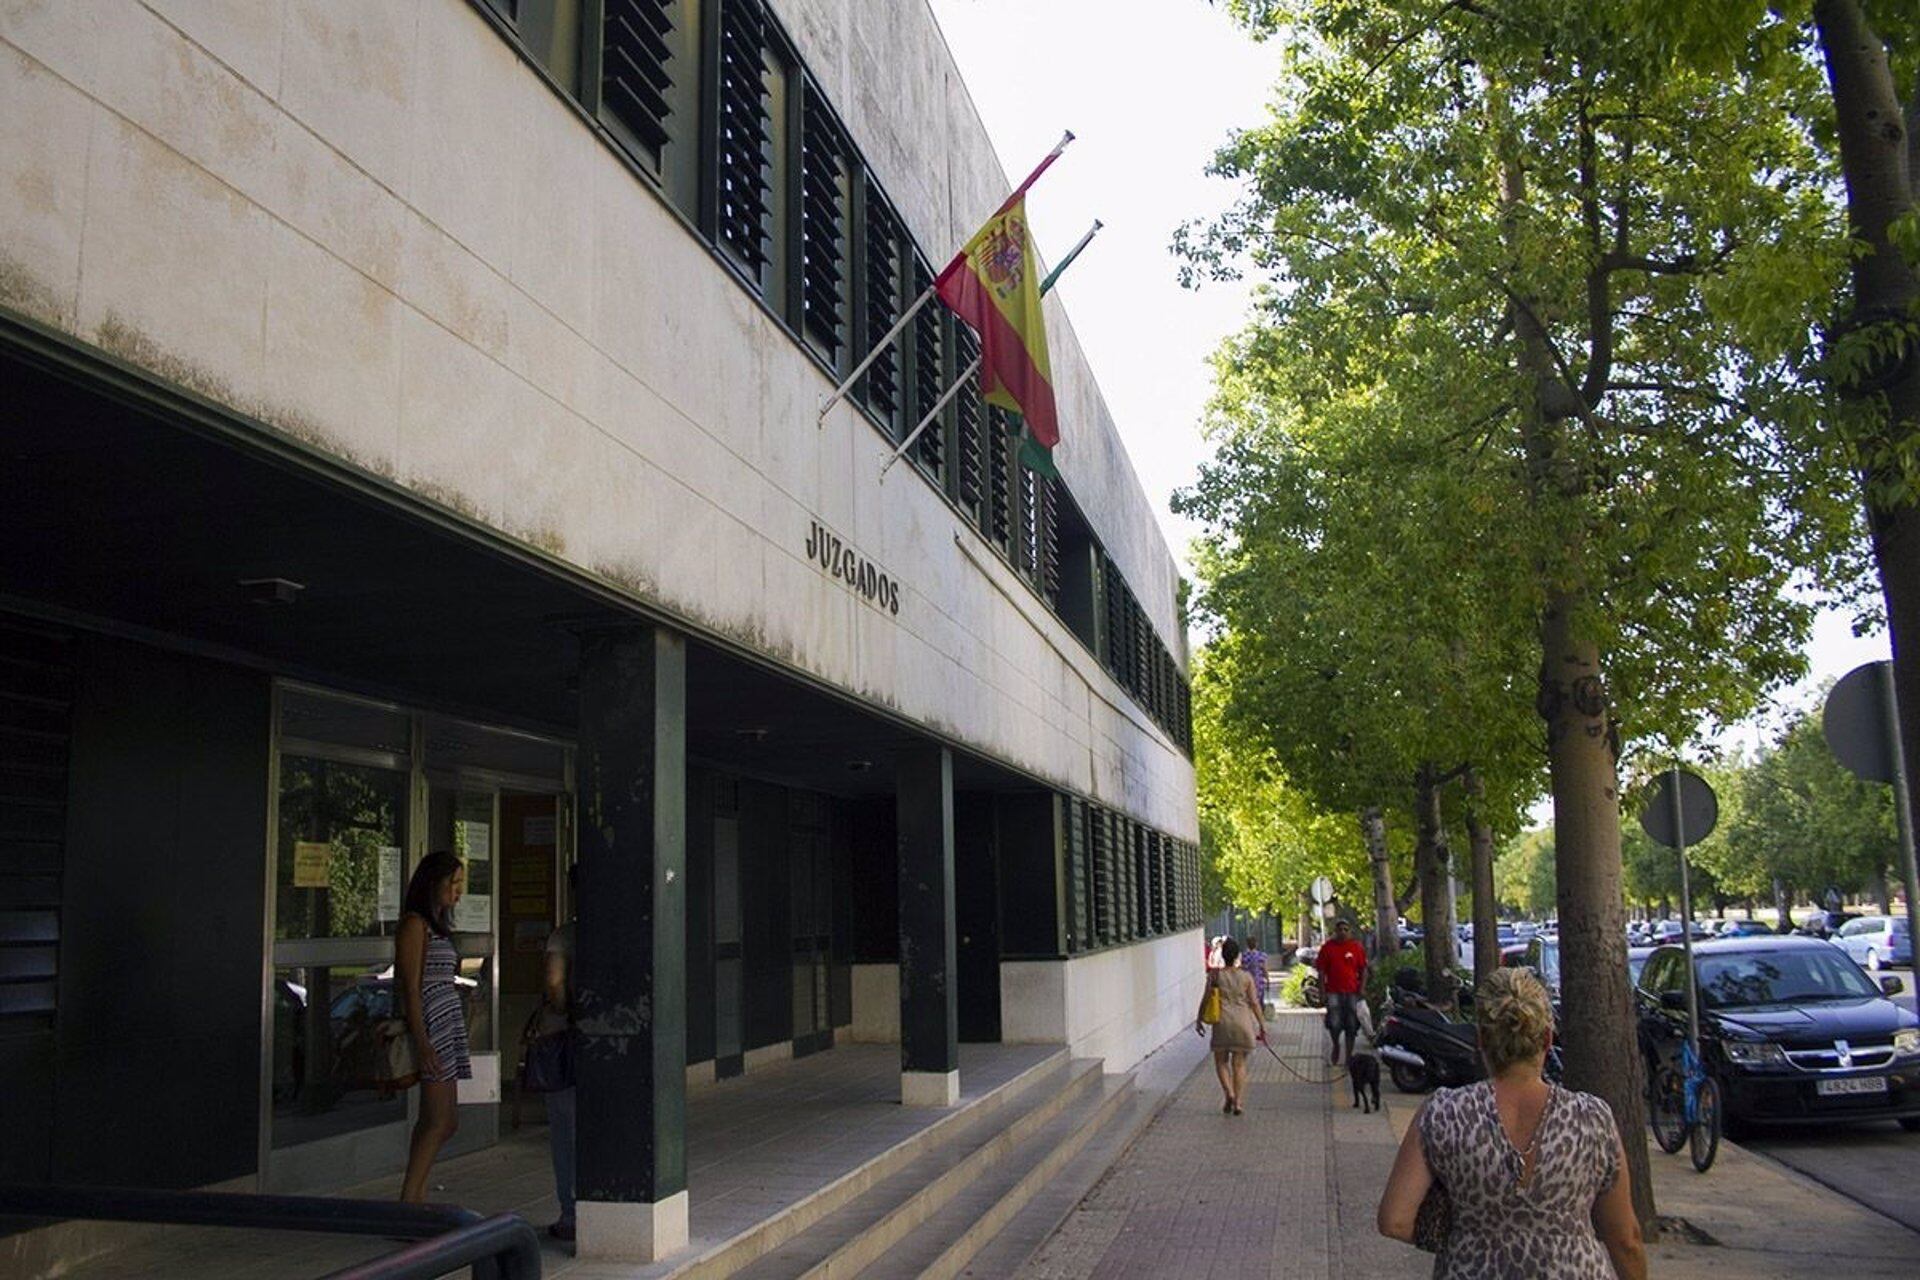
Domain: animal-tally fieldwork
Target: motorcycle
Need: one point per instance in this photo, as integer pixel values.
(1424, 1048)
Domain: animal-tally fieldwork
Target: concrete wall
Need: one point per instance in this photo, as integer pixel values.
(1120, 1004)
(370, 226)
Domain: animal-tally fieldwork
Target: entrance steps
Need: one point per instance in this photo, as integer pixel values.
(988, 1181)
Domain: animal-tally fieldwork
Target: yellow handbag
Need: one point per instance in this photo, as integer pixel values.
(1210, 1007)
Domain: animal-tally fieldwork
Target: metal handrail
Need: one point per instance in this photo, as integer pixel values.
(445, 1236)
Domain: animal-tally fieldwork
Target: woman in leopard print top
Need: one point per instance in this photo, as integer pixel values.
(1536, 1173)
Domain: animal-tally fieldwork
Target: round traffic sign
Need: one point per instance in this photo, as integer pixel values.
(1699, 809)
(1855, 722)
(1322, 891)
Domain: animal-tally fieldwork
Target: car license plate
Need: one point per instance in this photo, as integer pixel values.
(1858, 1084)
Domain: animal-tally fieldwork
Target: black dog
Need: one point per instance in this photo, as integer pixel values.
(1364, 1070)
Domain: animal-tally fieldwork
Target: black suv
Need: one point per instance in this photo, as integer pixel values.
(1790, 1027)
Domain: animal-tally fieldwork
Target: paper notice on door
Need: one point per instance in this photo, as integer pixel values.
(473, 914)
(392, 882)
(537, 829)
(312, 864)
(475, 843)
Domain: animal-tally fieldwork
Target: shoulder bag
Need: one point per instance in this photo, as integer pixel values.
(394, 1065)
(546, 1062)
(1210, 1007)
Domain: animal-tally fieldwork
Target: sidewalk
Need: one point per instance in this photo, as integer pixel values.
(1289, 1190)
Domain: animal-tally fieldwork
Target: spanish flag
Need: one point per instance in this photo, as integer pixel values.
(993, 284)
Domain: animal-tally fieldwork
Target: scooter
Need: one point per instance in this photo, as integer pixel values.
(1424, 1048)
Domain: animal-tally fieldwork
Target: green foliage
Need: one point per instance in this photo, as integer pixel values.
(1524, 873)
(1674, 241)
(1263, 841)
(1293, 986)
(1804, 818)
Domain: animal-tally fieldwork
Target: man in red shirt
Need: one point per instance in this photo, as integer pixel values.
(1342, 963)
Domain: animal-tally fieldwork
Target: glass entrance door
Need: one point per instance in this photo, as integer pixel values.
(729, 955)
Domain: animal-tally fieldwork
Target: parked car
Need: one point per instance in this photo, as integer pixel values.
(1793, 1032)
(1745, 929)
(1824, 924)
(1636, 961)
(1669, 931)
(1874, 941)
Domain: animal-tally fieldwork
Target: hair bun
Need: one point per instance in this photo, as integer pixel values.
(1515, 1017)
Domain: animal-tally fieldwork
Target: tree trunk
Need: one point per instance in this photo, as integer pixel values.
(1433, 864)
(1883, 889)
(1386, 916)
(1782, 906)
(1602, 1051)
(1880, 160)
(1486, 911)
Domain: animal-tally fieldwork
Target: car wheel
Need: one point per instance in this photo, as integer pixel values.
(1873, 960)
(1910, 1123)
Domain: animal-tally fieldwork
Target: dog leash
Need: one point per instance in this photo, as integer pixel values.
(1288, 1068)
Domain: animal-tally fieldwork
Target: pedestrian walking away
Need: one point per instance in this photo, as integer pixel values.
(1254, 961)
(1241, 1024)
(425, 967)
(1514, 1176)
(1342, 963)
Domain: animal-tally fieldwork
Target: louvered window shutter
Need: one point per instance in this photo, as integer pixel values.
(741, 177)
(1050, 540)
(881, 387)
(635, 75)
(999, 522)
(970, 421)
(929, 371)
(822, 225)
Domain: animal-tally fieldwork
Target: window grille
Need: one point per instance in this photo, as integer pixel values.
(882, 297)
(1079, 881)
(636, 69)
(741, 163)
(822, 224)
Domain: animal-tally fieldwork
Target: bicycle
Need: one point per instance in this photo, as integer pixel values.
(1683, 1105)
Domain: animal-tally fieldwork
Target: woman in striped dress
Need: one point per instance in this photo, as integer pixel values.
(426, 966)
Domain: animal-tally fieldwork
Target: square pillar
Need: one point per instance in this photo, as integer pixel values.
(929, 994)
(630, 964)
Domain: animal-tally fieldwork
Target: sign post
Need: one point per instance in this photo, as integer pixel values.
(1861, 722)
(1682, 810)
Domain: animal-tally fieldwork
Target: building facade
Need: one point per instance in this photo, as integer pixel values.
(410, 443)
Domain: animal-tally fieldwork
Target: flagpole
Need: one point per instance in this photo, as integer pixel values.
(1045, 286)
(840, 392)
(932, 413)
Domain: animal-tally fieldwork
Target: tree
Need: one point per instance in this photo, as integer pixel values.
(1806, 822)
(1524, 876)
(1562, 238)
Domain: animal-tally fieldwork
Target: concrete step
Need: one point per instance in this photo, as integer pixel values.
(859, 1233)
(965, 1129)
(949, 1241)
(1024, 1233)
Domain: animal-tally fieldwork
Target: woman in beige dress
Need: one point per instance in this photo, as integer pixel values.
(1242, 1022)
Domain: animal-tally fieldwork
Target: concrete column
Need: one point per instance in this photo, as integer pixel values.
(631, 962)
(929, 1009)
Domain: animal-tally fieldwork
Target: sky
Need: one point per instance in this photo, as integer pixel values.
(1151, 89)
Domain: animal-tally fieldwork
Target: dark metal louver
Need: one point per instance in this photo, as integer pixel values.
(1050, 540)
(741, 178)
(635, 68)
(970, 414)
(36, 711)
(1029, 551)
(929, 373)
(882, 296)
(822, 224)
(999, 514)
